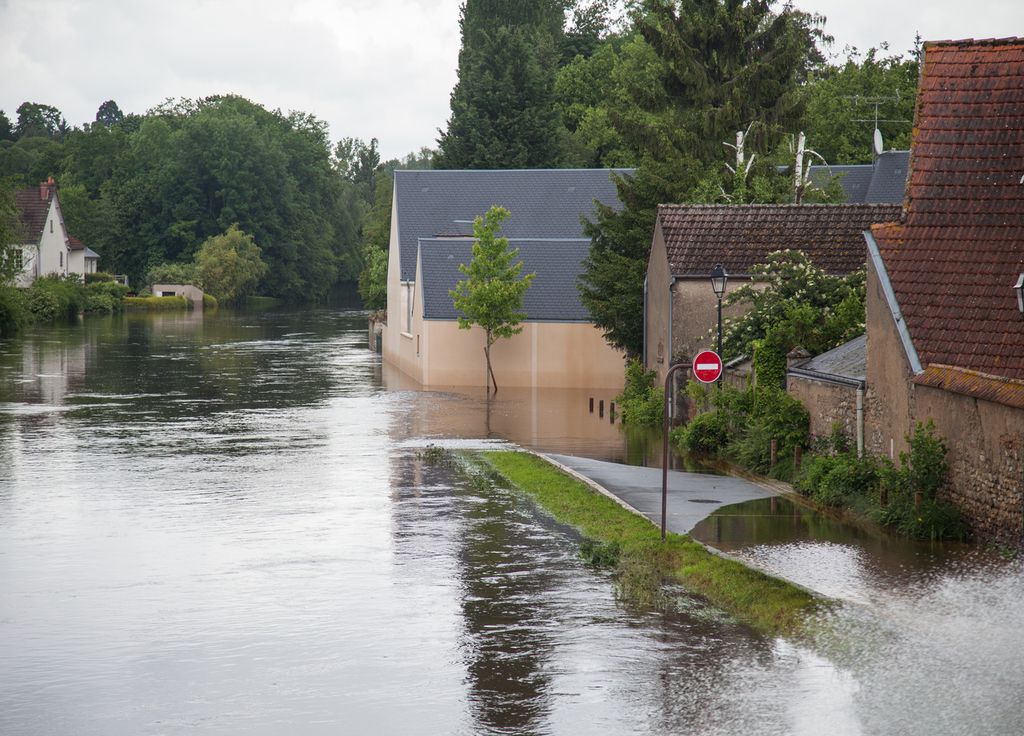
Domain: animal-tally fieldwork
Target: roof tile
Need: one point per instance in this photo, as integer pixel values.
(960, 246)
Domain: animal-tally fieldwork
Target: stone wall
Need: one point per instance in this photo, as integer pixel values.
(986, 461)
(827, 404)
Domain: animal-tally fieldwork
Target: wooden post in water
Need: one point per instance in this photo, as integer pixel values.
(798, 457)
(591, 404)
(775, 454)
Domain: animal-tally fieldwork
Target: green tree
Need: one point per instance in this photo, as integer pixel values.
(841, 98)
(491, 295)
(503, 112)
(792, 302)
(8, 236)
(6, 128)
(35, 119)
(109, 114)
(720, 66)
(229, 265)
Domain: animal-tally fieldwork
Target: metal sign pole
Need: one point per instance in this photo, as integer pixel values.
(664, 444)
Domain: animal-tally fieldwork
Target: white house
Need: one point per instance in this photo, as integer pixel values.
(45, 245)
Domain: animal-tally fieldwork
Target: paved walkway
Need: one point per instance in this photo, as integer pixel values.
(692, 497)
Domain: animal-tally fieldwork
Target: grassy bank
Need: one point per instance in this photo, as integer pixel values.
(633, 547)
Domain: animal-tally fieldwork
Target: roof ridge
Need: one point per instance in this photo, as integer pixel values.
(503, 171)
(765, 205)
(975, 42)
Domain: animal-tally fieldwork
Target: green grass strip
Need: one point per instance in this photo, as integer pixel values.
(767, 604)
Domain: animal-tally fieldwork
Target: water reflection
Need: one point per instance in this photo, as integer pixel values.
(218, 526)
(831, 555)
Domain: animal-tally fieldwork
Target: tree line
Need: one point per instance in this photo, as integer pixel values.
(661, 86)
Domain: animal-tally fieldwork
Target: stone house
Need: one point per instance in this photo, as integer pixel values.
(944, 328)
(431, 229)
(45, 247)
(680, 308)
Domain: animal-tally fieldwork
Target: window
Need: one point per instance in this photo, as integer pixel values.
(17, 258)
(51, 224)
(61, 254)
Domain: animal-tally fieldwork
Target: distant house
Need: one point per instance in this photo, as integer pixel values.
(44, 245)
(881, 182)
(945, 332)
(431, 229)
(689, 240)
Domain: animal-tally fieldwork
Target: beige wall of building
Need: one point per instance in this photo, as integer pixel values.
(889, 400)
(394, 325)
(544, 355)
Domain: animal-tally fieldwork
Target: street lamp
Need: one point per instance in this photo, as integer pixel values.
(1019, 288)
(719, 280)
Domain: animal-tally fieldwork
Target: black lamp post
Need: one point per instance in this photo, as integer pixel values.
(719, 280)
(1019, 288)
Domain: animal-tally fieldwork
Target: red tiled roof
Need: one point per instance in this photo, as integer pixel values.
(741, 236)
(32, 211)
(75, 244)
(1001, 390)
(960, 247)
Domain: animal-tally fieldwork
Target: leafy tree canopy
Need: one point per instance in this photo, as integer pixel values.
(229, 265)
(716, 67)
(503, 113)
(842, 101)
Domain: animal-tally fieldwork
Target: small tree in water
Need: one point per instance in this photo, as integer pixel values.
(491, 295)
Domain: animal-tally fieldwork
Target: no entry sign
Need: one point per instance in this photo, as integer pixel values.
(707, 366)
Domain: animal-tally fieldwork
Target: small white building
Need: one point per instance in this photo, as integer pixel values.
(45, 245)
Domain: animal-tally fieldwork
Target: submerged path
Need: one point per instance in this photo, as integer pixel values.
(692, 497)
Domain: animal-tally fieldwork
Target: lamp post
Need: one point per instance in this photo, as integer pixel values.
(719, 280)
(1019, 288)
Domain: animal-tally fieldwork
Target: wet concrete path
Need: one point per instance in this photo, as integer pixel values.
(692, 497)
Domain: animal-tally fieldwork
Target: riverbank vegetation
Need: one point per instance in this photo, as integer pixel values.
(57, 298)
(642, 402)
(631, 546)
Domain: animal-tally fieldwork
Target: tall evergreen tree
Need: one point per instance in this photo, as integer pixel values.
(723, 65)
(503, 111)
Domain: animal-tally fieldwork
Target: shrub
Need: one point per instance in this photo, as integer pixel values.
(105, 296)
(13, 310)
(53, 298)
(706, 433)
(641, 403)
(155, 303)
(210, 301)
(98, 277)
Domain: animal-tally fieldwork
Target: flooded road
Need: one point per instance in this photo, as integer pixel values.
(221, 526)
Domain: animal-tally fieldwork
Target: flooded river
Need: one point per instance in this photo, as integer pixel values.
(221, 526)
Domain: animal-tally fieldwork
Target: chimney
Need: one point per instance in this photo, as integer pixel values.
(46, 189)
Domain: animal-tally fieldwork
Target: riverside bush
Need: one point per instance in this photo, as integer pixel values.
(53, 298)
(641, 403)
(13, 310)
(706, 433)
(104, 296)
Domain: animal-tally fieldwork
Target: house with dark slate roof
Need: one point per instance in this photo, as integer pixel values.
(44, 245)
(680, 307)
(431, 229)
(881, 182)
(945, 329)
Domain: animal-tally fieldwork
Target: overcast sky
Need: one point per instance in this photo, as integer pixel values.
(370, 68)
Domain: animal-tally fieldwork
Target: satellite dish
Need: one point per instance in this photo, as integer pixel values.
(876, 143)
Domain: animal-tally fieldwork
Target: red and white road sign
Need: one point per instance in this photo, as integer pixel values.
(707, 366)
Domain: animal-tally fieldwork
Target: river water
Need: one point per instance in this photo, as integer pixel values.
(221, 525)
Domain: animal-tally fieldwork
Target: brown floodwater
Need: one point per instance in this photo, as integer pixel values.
(221, 525)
